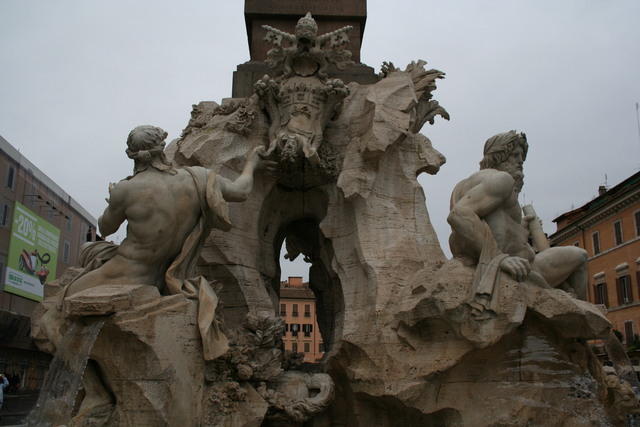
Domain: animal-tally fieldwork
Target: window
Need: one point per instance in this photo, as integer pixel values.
(637, 218)
(624, 290)
(306, 347)
(628, 331)
(576, 244)
(294, 347)
(295, 328)
(617, 232)
(600, 293)
(307, 329)
(596, 243)
(31, 195)
(321, 347)
(294, 311)
(69, 223)
(5, 215)
(2, 262)
(11, 177)
(307, 310)
(283, 310)
(66, 251)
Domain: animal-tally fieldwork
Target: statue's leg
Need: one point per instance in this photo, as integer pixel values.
(117, 270)
(564, 263)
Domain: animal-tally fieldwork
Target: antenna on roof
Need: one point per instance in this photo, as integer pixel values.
(638, 119)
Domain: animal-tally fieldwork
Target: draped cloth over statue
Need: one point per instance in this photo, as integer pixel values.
(179, 277)
(487, 275)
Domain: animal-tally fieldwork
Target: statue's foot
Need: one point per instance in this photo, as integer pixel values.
(480, 308)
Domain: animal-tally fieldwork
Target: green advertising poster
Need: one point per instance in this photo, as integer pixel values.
(33, 254)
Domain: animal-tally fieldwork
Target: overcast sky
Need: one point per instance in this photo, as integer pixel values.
(77, 76)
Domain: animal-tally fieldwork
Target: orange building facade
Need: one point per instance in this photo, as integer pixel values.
(298, 310)
(608, 228)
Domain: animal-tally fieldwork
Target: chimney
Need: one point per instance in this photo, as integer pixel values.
(295, 282)
(601, 190)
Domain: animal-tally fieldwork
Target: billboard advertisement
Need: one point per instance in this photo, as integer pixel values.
(33, 254)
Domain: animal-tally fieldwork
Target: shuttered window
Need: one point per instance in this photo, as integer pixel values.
(595, 237)
(628, 331)
(600, 293)
(617, 232)
(625, 295)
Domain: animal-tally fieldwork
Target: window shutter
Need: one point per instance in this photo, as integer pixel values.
(619, 289)
(638, 281)
(595, 295)
(606, 295)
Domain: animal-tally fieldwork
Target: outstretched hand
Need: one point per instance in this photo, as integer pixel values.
(260, 160)
(517, 267)
(111, 187)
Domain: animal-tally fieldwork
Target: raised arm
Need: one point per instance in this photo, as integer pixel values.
(113, 216)
(239, 190)
(485, 197)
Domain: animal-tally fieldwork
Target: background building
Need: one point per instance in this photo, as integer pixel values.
(608, 227)
(31, 204)
(298, 309)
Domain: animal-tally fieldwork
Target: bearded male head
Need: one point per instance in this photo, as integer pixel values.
(506, 152)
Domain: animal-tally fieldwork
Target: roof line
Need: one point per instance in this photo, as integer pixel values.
(24, 163)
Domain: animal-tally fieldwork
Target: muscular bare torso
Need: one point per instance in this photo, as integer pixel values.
(497, 205)
(161, 209)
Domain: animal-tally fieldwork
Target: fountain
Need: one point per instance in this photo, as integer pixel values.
(495, 336)
(57, 398)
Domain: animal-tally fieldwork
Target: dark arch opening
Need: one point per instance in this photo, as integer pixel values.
(304, 238)
(296, 216)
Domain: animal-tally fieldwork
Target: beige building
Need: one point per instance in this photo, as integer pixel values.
(608, 228)
(298, 309)
(22, 182)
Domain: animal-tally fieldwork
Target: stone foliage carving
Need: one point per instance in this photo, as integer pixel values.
(256, 363)
(201, 114)
(242, 115)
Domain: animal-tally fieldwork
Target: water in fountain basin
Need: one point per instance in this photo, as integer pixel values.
(62, 382)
